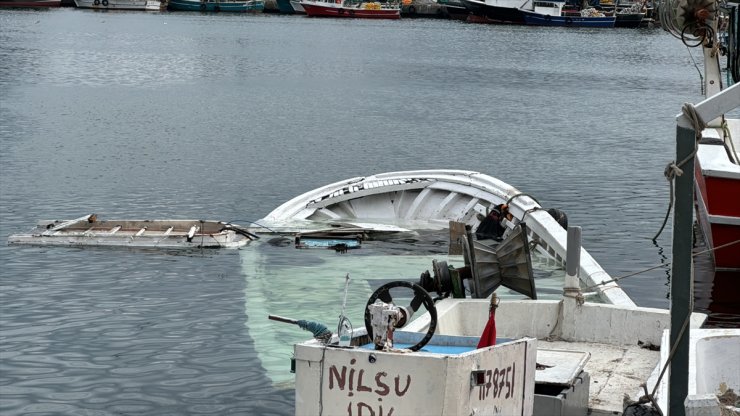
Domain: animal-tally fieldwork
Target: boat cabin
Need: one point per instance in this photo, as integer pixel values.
(548, 8)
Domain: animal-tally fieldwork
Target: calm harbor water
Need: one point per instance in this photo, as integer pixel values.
(185, 115)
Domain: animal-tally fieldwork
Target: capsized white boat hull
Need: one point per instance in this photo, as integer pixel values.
(428, 200)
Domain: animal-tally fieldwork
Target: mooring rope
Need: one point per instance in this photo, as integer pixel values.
(616, 279)
(650, 397)
(673, 169)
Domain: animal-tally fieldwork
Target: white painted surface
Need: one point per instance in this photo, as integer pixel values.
(611, 334)
(715, 162)
(714, 358)
(333, 381)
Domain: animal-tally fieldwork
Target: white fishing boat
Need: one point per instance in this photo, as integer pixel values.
(151, 5)
(172, 234)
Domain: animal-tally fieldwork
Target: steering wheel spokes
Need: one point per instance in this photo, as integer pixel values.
(382, 316)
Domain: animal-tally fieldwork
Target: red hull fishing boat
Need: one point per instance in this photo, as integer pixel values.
(352, 9)
(30, 3)
(717, 163)
(717, 175)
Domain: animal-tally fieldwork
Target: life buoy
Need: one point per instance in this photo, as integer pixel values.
(96, 2)
(105, 3)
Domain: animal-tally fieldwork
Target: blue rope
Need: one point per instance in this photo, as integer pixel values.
(317, 329)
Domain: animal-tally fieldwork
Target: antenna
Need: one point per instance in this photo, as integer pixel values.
(344, 328)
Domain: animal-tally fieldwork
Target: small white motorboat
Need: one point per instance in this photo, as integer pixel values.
(90, 231)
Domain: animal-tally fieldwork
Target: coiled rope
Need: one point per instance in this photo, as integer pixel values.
(673, 169)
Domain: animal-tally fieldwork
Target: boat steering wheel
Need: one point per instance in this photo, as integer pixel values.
(421, 297)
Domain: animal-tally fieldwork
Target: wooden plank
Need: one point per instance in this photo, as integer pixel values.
(457, 231)
(560, 367)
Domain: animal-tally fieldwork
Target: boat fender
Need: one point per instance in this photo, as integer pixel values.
(412, 10)
(559, 216)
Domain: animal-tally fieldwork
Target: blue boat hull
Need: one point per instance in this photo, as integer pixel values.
(285, 7)
(231, 6)
(537, 19)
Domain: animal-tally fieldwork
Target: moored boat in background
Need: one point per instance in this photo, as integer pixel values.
(352, 9)
(30, 3)
(297, 6)
(550, 13)
(454, 9)
(497, 11)
(285, 7)
(150, 5)
(239, 6)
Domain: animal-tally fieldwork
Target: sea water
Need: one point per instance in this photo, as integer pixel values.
(217, 116)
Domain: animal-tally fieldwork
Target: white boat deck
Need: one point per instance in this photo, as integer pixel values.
(612, 335)
(614, 370)
(717, 160)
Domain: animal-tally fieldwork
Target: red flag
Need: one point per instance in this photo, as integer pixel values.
(488, 338)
